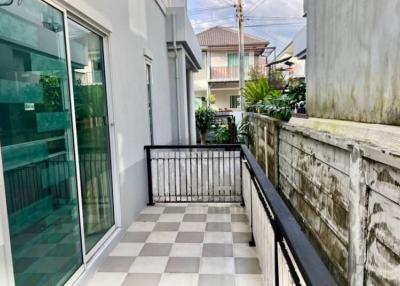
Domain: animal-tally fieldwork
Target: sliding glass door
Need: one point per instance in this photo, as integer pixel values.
(37, 145)
(52, 94)
(92, 131)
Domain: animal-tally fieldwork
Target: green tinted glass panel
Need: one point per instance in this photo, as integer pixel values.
(37, 146)
(233, 59)
(92, 130)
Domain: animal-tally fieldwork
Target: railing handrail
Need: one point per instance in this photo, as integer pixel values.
(312, 268)
(208, 146)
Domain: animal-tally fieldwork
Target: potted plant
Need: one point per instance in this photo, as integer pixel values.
(204, 120)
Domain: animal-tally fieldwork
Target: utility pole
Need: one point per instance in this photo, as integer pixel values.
(240, 18)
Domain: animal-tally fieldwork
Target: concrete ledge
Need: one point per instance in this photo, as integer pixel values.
(378, 142)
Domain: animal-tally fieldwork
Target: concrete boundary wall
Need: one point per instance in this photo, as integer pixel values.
(345, 192)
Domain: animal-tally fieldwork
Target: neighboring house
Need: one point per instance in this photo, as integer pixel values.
(84, 85)
(291, 61)
(220, 76)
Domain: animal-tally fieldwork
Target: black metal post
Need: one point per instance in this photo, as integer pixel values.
(149, 177)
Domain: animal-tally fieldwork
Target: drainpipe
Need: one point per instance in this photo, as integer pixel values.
(178, 101)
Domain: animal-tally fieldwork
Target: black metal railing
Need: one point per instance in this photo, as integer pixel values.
(287, 256)
(210, 173)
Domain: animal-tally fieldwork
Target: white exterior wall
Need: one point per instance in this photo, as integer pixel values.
(128, 40)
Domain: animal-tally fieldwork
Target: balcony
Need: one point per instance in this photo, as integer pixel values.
(226, 73)
(213, 219)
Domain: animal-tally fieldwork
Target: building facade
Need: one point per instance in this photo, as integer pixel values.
(83, 87)
(219, 79)
(291, 61)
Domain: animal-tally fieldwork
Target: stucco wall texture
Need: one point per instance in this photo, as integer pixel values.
(344, 192)
(353, 70)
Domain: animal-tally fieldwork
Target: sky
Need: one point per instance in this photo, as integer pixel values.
(277, 21)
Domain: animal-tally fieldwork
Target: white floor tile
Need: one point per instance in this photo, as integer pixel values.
(153, 210)
(238, 210)
(171, 218)
(196, 210)
(172, 205)
(107, 279)
(218, 237)
(127, 249)
(192, 227)
(186, 250)
(141, 226)
(171, 279)
(147, 264)
(218, 217)
(162, 237)
(240, 227)
(217, 265)
(248, 280)
(244, 250)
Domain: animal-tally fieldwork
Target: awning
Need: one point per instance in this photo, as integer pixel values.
(279, 61)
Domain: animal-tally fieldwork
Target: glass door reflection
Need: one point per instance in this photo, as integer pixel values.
(91, 113)
(37, 145)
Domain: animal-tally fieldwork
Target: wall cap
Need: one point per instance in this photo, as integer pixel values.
(378, 142)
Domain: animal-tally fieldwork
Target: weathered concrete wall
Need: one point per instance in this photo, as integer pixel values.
(344, 191)
(353, 60)
(264, 144)
(383, 236)
(314, 178)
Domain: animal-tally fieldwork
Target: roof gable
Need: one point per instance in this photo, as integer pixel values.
(221, 36)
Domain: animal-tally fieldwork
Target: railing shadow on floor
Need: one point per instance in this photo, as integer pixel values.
(230, 173)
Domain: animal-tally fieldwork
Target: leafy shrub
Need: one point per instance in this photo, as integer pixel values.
(204, 120)
(281, 107)
(258, 91)
(222, 134)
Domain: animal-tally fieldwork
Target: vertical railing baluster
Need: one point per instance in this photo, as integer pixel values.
(201, 176)
(197, 175)
(208, 175)
(187, 177)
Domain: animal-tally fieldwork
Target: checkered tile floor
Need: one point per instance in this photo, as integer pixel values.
(188, 245)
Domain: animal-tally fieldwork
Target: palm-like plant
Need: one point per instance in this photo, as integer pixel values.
(256, 91)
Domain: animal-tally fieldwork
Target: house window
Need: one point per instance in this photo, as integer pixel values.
(233, 59)
(234, 101)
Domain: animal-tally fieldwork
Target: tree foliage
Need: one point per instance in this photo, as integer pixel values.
(204, 118)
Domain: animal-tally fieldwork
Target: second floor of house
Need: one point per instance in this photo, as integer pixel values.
(223, 64)
(221, 56)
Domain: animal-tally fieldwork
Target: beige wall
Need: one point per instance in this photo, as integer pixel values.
(223, 98)
(219, 59)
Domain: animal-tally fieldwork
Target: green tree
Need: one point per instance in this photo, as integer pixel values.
(204, 120)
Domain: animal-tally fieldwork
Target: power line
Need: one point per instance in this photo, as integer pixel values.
(220, 21)
(256, 5)
(270, 25)
(275, 18)
(208, 9)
